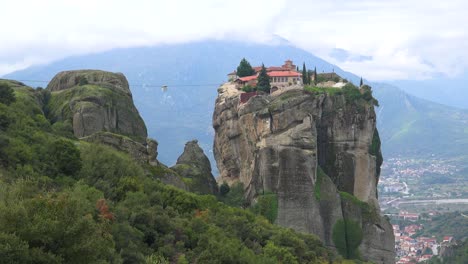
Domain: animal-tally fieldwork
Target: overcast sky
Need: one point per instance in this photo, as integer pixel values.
(381, 40)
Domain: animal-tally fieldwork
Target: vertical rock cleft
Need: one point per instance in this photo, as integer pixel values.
(318, 153)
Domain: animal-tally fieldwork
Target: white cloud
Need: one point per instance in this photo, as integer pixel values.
(404, 38)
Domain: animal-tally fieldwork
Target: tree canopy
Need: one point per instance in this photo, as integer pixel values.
(7, 95)
(245, 69)
(263, 81)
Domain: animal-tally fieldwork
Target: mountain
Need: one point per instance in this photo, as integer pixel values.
(443, 90)
(194, 71)
(415, 127)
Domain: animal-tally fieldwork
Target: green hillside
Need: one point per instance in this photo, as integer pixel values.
(67, 201)
(410, 126)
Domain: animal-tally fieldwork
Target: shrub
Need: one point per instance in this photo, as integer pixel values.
(267, 206)
(66, 157)
(247, 88)
(7, 94)
(224, 189)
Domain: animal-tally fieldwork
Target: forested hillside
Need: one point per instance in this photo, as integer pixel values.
(68, 201)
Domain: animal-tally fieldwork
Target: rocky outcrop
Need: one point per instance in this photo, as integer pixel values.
(143, 153)
(316, 152)
(93, 101)
(194, 166)
(69, 79)
(99, 107)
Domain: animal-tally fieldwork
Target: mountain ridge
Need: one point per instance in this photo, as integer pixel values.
(183, 112)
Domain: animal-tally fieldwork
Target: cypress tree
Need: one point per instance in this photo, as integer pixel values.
(245, 69)
(361, 82)
(304, 74)
(263, 80)
(315, 75)
(297, 68)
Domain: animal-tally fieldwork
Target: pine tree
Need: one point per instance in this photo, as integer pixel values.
(297, 68)
(245, 69)
(304, 74)
(263, 83)
(361, 82)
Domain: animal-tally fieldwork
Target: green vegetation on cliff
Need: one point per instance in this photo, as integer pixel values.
(347, 236)
(350, 92)
(318, 182)
(97, 205)
(368, 212)
(267, 206)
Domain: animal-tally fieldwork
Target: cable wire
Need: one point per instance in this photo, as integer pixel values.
(145, 85)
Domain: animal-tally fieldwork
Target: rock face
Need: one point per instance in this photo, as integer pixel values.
(194, 166)
(99, 108)
(93, 101)
(318, 153)
(143, 153)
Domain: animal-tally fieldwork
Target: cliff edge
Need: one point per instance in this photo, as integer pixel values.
(318, 152)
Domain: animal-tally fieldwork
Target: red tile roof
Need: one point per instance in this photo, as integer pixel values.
(276, 68)
(248, 78)
(284, 74)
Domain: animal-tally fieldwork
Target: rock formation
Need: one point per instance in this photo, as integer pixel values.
(94, 101)
(98, 106)
(319, 153)
(194, 166)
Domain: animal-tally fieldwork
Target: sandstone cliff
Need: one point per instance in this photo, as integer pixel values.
(194, 166)
(94, 101)
(319, 153)
(98, 107)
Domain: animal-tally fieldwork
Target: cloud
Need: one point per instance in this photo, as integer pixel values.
(342, 55)
(42, 31)
(380, 40)
(406, 39)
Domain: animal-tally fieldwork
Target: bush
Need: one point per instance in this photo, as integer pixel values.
(267, 206)
(235, 196)
(67, 157)
(247, 88)
(224, 189)
(7, 94)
